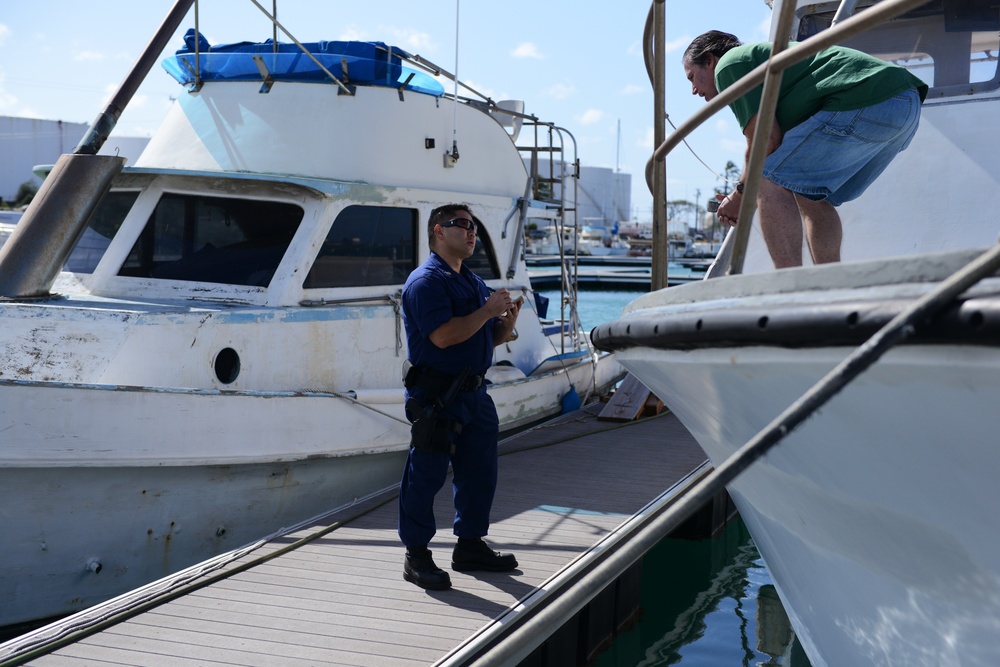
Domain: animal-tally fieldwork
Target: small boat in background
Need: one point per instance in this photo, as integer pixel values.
(222, 356)
(8, 220)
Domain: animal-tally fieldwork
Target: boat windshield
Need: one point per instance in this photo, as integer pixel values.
(103, 226)
(213, 239)
(367, 245)
(374, 245)
(950, 45)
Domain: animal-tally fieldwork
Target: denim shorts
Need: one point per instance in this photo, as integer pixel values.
(835, 155)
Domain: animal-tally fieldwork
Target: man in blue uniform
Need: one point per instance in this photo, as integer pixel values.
(453, 321)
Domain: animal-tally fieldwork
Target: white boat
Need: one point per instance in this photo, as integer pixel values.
(228, 361)
(8, 221)
(876, 516)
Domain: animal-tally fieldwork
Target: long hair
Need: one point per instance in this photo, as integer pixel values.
(713, 42)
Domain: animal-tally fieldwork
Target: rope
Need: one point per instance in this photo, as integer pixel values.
(369, 407)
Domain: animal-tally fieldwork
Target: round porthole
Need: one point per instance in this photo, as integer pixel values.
(227, 365)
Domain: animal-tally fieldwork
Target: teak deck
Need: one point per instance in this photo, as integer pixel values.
(340, 599)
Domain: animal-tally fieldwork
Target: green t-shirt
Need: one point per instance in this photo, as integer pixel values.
(835, 79)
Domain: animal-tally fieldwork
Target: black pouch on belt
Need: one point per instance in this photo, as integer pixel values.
(430, 430)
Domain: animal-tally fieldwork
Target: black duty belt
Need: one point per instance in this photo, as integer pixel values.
(437, 382)
(473, 382)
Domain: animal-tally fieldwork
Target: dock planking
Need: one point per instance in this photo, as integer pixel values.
(338, 597)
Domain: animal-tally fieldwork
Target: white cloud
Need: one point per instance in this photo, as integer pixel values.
(635, 48)
(7, 101)
(736, 148)
(591, 117)
(4, 33)
(491, 93)
(646, 141)
(412, 40)
(409, 39)
(764, 29)
(677, 44)
(526, 50)
(88, 56)
(561, 91)
(353, 33)
(633, 89)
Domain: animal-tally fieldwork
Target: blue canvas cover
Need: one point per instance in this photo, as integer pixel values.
(368, 63)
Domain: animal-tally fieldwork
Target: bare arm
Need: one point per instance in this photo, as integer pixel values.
(729, 208)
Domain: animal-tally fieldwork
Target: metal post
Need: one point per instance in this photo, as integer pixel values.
(35, 253)
(106, 121)
(762, 131)
(658, 279)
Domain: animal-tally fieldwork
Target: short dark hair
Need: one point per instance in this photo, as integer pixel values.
(444, 214)
(713, 42)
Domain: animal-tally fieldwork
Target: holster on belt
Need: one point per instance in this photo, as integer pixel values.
(431, 431)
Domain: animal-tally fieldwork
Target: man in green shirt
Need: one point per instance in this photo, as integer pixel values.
(842, 116)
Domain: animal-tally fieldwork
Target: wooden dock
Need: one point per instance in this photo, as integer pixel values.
(613, 272)
(332, 592)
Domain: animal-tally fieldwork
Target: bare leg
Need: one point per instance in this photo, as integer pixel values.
(780, 223)
(823, 229)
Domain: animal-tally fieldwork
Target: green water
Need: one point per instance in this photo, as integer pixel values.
(707, 603)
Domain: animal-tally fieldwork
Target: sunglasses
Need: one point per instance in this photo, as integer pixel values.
(463, 223)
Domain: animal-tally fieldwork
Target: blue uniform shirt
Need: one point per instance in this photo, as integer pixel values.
(432, 295)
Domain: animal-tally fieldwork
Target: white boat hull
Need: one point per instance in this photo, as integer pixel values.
(875, 516)
(97, 503)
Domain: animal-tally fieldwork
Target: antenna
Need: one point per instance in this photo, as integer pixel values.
(451, 158)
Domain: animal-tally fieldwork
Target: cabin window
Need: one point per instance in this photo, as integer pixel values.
(367, 245)
(103, 226)
(483, 261)
(213, 239)
(951, 44)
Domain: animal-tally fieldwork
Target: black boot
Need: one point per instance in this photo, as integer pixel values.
(420, 569)
(471, 555)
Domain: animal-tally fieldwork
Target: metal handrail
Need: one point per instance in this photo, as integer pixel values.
(274, 22)
(760, 142)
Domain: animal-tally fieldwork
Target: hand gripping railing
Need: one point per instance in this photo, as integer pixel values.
(780, 61)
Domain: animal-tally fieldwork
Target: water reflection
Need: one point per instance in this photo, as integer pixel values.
(707, 602)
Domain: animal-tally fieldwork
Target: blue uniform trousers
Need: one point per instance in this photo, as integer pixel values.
(474, 479)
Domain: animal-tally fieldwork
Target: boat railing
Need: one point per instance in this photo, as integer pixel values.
(770, 74)
(547, 189)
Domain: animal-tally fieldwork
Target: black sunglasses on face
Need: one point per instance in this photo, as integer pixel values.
(464, 223)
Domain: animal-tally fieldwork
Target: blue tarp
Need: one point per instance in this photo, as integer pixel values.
(368, 63)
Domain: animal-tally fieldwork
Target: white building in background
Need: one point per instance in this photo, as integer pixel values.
(29, 142)
(604, 196)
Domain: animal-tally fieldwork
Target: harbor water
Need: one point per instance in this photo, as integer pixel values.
(704, 603)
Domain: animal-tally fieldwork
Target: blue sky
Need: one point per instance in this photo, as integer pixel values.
(575, 63)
